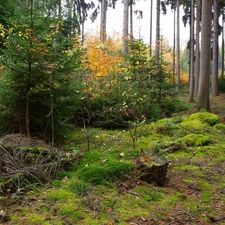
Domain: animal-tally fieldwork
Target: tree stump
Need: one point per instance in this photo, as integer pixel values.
(152, 168)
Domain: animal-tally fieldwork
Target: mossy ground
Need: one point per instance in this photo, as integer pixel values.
(102, 187)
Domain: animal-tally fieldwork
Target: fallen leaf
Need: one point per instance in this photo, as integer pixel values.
(104, 160)
(122, 154)
(2, 213)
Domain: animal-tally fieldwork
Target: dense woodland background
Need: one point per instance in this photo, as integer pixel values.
(53, 75)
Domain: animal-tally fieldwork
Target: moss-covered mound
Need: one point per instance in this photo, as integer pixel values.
(103, 185)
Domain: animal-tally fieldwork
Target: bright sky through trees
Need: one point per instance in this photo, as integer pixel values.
(141, 26)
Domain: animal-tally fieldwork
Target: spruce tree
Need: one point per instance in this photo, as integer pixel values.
(37, 89)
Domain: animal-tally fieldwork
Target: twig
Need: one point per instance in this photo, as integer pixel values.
(193, 154)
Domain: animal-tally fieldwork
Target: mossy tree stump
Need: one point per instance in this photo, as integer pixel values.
(152, 169)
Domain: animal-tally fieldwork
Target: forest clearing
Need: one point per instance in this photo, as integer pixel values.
(100, 129)
(103, 186)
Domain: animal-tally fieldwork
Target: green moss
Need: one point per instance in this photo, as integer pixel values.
(60, 195)
(78, 186)
(178, 119)
(204, 185)
(204, 117)
(194, 124)
(131, 206)
(100, 172)
(44, 208)
(34, 218)
(218, 159)
(165, 126)
(149, 194)
(188, 180)
(70, 211)
(210, 150)
(187, 168)
(220, 126)
(57, 183)
(181, 154)
(196, 140)
(168, 203)
(206, 196)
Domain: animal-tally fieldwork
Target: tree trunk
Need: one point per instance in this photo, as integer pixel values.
(157, 44)
(178, 48)
(215, 86)
(198, 21)
(125, 26)
(152, 169)
(103, 21)
(192, 59)
(203, 99)
(222, 66)
(69, 3)
(59, 9)
(131, 19)
(150, 37)
(174, 44)
(28, 82)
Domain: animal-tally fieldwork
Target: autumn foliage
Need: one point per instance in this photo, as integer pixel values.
(102, 59)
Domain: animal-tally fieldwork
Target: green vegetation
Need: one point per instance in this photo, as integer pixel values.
(102, 185)
(93, 123)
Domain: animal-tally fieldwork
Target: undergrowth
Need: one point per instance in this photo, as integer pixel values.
(102, 186)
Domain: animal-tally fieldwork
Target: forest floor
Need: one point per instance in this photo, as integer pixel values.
(95, 191)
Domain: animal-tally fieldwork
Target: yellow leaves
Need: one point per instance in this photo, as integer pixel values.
(102, 59)
(2, 31)
(11, 29)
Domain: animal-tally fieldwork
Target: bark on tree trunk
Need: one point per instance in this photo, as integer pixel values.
(174, 45)
(152, 169)
(198, 21)
(203, 99)
(178, 48)
(125, 27)
(192, 59)
(157, 44)
(103, 21)
(222, 67)
(150, 37)
(131, 19)
(215, 86)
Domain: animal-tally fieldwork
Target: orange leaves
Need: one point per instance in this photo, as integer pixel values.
(102, 58)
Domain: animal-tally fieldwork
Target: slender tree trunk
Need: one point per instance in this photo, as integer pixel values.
(82, 27)
(125, 27)
(198, 21)
(215, 86)
(69, 3)
(59, 8)
(157, 44)
(222, 66)
(28, 83)
(203, 99)
(131, 19)
(103, 21)
(174, 44)
(150, 37)
(192, 59)
(178, 48)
